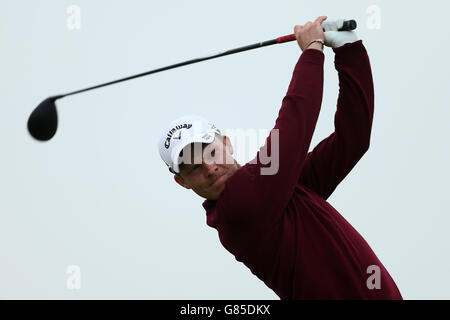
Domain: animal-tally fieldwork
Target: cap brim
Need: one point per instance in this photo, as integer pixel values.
(193, 139)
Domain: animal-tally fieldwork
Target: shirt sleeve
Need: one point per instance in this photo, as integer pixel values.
(266, 184)
(335, 156)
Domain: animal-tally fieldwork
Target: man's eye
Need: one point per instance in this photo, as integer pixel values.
(213, 152)
(195, 167)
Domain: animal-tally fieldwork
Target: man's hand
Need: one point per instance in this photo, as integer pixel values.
(336, 39)
(309, 32)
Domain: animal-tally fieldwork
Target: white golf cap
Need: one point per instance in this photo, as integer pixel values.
(182, 132)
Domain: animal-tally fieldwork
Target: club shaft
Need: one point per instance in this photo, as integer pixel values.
(348, 25)
(180, 64)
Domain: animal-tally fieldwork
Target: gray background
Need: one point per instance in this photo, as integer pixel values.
(99, 197)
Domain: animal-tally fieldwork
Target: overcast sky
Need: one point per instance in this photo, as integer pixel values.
(97, 201)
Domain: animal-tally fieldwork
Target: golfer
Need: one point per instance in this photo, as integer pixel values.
(274, 217)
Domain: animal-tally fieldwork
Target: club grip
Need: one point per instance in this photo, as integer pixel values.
(347, 25)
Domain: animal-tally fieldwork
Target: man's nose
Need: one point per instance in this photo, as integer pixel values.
(211, 168)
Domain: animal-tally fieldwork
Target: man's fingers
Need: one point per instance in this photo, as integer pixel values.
(321, 19)
(309, 23)
(297, 28)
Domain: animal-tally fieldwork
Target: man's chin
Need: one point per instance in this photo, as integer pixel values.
(209, 196)
(215, 191)
(214, 195)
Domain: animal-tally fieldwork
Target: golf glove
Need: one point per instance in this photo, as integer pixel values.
(334, 38)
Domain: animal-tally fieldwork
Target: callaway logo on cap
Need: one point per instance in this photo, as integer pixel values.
(182, 132)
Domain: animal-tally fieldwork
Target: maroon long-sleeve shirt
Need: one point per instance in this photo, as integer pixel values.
(280, 225)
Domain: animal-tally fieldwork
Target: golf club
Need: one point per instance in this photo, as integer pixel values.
(43, 121)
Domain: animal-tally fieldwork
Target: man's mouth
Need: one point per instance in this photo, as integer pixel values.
(219, 180)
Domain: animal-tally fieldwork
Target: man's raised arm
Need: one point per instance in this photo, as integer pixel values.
(290, 138)
(334, 157)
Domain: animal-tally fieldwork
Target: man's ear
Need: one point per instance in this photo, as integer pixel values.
(179, 179)
(228, 145)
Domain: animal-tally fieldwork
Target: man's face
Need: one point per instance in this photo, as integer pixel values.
(209, 168)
